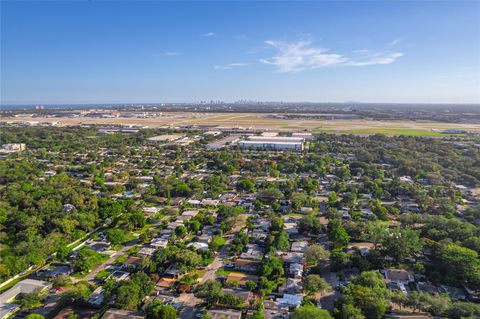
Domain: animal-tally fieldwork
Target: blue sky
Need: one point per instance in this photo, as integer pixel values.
(369, 51)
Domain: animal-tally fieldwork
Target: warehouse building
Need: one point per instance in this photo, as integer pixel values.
(273, 142)
(26, 286)
(165, 138)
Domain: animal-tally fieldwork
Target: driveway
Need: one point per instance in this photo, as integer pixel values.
(108, 262)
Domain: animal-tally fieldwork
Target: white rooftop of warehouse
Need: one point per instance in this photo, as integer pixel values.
(276, 139)
(165, 137)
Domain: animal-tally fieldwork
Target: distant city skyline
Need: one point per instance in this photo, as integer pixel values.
(320, 51)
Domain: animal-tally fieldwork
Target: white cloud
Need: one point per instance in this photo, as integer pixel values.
(301, 55)
(167, 53)
(229, 66)
(209, 34)
(366, 57)
(394, 42)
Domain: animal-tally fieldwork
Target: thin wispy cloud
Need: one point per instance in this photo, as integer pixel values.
(394, 42)
(208, 34)
(302, 55)
(167, 53)
(230, 66)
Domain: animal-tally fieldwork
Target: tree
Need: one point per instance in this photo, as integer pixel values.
(371, 279)
(128, 296)
(63, 252)
(310, 312)
(142, 280)
(182, 189)
(117, 236)
(351, 312)
(436, 305)
(310, 224)
(314, 283)
(79, 293)
(460, 310)
(246, 184)
(337, 234)
(251, 285)
(276, 224)
(193, 226)
(32, 300)
(180, 231)
(230, 300)
(270, 195)
(272, 268)
(186, 260)
(281, 241)
(158, 310)
(368, 293)
(34, 316)
(135, 220)
(315, 253)
(372, 301)
(210, 290)
(130, 293)
(401, 243)
(460, 265)
(339, 260)
(62, 281)
(87, 259)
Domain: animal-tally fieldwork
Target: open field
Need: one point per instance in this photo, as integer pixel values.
(262, 121)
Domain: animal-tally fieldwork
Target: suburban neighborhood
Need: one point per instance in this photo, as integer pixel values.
(195, 223)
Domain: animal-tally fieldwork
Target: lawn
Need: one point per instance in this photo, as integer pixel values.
(208, 261)
(217, 242)
(79, 275)
(199, 272)
(121, 259)
(103, 274)
(386, 131)
(223, 272)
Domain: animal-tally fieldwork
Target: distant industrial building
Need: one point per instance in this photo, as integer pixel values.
(305, 135)
(113, 130)
(273, 142)
(25, 286)
(269, 134)
(12, 147)
(165, 138)
(221, 143)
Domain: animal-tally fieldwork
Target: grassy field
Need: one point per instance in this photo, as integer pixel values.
(263, 121)
(387, 131)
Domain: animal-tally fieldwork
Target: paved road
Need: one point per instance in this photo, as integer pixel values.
(328, 299)
(108, 262)
(111, 260)
(189, 301)
(216, 264)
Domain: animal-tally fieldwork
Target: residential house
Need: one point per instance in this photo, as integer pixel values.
(290, 301)
(247, 265)
(97, 297)
(224, 313)
(121, 314)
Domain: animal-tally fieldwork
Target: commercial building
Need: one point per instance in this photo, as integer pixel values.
(12, 147)
(25, 286)
(273, 142)
(305, 135)
(223, 142)
(165, 138)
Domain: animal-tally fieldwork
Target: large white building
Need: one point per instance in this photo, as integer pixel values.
(12, 147)
(273, 142)
(305, 135)
(26, 286)
(165, 138)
